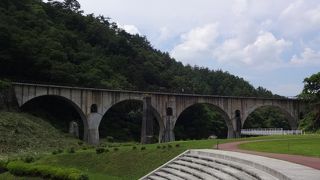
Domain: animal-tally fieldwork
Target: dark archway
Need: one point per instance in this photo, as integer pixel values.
(123, 122)
(200, 121)
(59, 111)
(268, 117)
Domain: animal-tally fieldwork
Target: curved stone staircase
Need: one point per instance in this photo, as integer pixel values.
(221, 165)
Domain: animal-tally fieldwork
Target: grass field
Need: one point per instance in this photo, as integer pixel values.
(306, 145)
(23, 134)
(126, 162)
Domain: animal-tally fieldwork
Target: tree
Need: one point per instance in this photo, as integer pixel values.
(73, 5)
(311, 92)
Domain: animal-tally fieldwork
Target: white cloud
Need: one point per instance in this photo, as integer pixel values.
(131, 29)
(282, 36)
(265, 52)
(299, 18)
(306, 58)
(196, 43)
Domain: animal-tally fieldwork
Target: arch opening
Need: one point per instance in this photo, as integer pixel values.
(201, 121)
(123, 122)
(268, 117)
(94, 108)
(60, 112)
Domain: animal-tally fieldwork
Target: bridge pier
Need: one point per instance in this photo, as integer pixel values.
(147, 122)
(231, 133)
(93, 128)
(168, 134)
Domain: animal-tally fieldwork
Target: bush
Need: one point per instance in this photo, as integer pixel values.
(143, 148)
(28, 159)
(100, 150)
(59, 151)
(169, 146)
(115, 149)
(4, 84)
(80, 143)
(110, 138)
(106, 150)
(3, 166)
(22, 169)
(158, 147)
(134, 147)
(177, 145)
(163, 147)
(71, 150)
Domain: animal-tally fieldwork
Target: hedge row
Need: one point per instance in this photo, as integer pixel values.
(48, 172)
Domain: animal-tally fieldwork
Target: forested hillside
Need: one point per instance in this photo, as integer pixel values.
(55, 42)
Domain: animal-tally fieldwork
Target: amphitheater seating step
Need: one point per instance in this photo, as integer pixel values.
(222, 165)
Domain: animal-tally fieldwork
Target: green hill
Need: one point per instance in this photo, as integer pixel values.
(55, 42)
(23, 133)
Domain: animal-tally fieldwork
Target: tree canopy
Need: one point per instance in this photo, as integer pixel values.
(54, 42)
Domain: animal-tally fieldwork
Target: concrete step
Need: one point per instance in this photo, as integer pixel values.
(177, 173)
(195, 172)
(241, 171)
(156, 177)
(223, 168)
(182, 172)
(213, 172)
(167, 175)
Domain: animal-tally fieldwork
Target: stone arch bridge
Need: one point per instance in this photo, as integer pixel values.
(92, 104)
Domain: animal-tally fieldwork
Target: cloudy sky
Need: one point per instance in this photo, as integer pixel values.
(270, 43)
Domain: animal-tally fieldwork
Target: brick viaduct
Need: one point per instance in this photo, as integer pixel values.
(92, 104)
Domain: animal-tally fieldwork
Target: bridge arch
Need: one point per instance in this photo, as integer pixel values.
(217, 108)
(137, 102)
(62, 99)
(292, 120)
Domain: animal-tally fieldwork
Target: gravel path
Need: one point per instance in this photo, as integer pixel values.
(312, 162)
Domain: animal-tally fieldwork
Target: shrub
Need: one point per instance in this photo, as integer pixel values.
(100, 150)
(177, 145)
(169, 146)
(84, 148)
(134, 147)
(163, 147)
(158, 147)
(115, 149)
(28, 159)
(57, 151)
(143, 148)
(71, 150)
(106, 150)
(3, 165)
(4, 84)
(110, 138)
(80, 143)
(22, 169)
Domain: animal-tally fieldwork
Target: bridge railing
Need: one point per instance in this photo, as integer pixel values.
(269, 131)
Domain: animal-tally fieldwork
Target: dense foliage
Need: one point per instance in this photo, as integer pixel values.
(311, 92)
(267, 117)
(56, 42)
(47, 172)
(200, 121)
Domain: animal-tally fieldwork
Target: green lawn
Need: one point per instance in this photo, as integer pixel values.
(23, 134)
(307, 145)
(125, 163)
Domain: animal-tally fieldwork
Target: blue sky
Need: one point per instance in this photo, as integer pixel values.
(270, 43)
